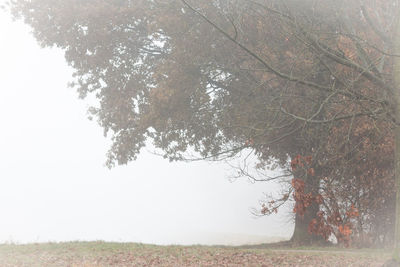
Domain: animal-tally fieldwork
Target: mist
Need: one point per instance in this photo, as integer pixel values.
(199, 133)
(55, 187)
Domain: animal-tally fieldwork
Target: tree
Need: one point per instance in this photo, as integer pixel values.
(352, 54)
(396, 78)
(215, 79)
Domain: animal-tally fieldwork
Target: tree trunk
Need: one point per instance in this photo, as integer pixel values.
(301, 235)
(396, 93)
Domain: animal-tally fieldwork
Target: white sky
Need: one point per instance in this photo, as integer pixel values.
(54, 186)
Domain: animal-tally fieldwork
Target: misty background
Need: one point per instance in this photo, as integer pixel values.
(54, 185)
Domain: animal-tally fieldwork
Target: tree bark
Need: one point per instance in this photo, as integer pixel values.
(396, 93)
(301, 235)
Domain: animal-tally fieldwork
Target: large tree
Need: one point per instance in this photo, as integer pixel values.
(216, 77)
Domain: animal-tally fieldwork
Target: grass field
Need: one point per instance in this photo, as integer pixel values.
(94, 254)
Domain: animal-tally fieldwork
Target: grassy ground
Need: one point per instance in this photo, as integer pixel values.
(94, 254)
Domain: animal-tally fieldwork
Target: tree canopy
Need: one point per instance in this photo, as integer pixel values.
(286, 79)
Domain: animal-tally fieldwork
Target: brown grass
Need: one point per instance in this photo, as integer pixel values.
(96, 254)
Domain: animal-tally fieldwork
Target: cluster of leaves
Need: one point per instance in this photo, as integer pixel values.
(365, 182)
(356, 202)
(354, 162)
(215, 78)
(328, 220)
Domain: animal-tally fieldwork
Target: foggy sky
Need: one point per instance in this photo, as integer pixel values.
(54, 186)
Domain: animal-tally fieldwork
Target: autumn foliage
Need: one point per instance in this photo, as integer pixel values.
(355, 204)
(323, 224)
(306, 84)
